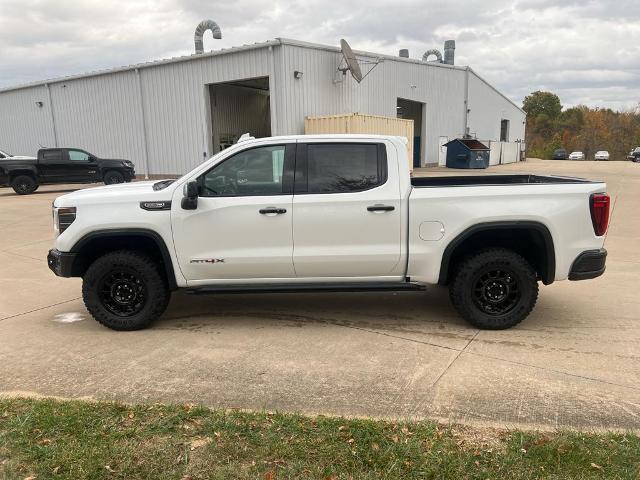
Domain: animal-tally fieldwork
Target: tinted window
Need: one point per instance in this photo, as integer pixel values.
(75, 155)
(342, 167)
(258, 171)
(54, 156)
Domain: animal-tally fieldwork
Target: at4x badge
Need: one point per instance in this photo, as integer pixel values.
(207, 260)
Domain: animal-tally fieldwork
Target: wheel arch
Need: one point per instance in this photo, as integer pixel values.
(531, 239)
(30, 172)
(100, 242)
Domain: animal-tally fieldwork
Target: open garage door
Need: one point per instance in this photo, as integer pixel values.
(239, 107)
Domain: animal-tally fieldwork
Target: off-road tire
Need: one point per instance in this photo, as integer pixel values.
(112, 177)
(463, 290)
(24, 184)
(132, 263)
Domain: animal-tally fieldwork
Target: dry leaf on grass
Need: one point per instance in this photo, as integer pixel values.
(596, 466)
(200, 442)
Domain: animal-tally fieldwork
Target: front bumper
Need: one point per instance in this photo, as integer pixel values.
(61, 263)
(589, 264)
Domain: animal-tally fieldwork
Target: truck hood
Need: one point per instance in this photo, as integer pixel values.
(118, 193)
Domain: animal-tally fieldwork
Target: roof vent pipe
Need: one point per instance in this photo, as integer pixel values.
(202, 27)
(403, 53)
(433, 51)
(449, 51)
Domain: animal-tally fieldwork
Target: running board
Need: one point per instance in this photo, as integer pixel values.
(306, 287)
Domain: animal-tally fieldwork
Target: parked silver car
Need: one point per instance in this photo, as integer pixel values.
(601, 155)
(576, 156)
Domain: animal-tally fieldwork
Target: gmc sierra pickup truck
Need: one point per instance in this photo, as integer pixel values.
(328, 213)
(62, 165)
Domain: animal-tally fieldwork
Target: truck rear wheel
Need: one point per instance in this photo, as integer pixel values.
(125, 290)
(24, 184)
(112, 177)
(494, 289)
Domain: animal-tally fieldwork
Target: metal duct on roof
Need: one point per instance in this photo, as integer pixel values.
(449, 51)
(433, 51)
(202, 27)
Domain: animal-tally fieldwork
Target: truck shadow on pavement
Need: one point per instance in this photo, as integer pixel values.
(399, 312)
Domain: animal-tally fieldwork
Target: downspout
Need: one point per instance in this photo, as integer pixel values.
(465, 125)
(144, 126)
(53, 117)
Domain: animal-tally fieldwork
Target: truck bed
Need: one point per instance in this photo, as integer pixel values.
(475, 180)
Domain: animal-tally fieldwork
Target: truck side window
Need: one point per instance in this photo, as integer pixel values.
(52, 157)
(343, 167)
(257, 171)
(77, 156)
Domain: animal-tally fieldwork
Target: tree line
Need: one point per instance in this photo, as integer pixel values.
(580, 128)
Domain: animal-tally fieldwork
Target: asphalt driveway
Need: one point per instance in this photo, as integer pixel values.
(574, 362)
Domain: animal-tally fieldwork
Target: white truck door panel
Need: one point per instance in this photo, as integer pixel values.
(343, 224)
(241, 228)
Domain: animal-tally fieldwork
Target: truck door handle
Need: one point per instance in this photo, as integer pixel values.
(272, 211)
(380, 208)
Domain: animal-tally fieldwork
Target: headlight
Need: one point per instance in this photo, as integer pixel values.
(127, 163)
(62, 218)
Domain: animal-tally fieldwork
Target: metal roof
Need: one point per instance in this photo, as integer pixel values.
(254, 46)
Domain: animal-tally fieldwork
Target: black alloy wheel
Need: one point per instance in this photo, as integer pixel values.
(496, 291)
(122, 293)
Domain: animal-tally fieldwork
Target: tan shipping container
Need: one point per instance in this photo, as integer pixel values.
(359, 123)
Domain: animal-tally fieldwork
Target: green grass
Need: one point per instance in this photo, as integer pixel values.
(77, 440)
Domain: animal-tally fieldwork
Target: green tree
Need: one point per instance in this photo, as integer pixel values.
(542, 102)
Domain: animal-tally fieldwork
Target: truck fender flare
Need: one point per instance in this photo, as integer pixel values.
(517, 225)
(137, 232)
(13, 172)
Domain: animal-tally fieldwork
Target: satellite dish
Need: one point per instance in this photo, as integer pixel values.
(352, 62)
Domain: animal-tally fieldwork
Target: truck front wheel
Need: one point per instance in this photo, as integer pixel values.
(112, 176)
(125, 290)
(24, 184)
(494, 289)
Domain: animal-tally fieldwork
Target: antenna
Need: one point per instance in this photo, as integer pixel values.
(352, 64)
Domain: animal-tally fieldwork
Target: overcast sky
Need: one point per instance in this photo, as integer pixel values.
(585, 51)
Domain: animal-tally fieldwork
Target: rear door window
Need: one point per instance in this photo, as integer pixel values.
(340, 167)
(54, 156)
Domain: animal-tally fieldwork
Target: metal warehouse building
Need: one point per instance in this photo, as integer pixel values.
(167, 116)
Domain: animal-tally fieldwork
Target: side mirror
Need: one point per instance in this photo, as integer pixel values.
(190, 199)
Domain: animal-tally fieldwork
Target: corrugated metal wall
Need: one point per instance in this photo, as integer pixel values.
(101, 115)
(324, 91)
(488, 107)
(162, 110)
(24, 126)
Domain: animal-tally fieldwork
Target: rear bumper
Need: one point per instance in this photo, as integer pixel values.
(589, 264)
(61, 263)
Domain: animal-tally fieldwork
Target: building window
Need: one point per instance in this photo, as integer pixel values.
(504, 130)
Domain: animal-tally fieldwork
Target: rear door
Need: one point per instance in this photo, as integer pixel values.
(346, 211)
(51, 165)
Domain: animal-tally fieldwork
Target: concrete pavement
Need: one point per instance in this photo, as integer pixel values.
(574, 362)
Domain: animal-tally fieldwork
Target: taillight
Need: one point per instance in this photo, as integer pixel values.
(599, 206)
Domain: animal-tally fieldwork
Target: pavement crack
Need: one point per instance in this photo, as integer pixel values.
(38, 309)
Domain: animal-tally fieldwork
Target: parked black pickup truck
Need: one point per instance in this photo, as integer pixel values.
(62, 165)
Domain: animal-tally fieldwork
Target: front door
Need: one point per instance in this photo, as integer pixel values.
(80, 166)
(346, 211)
(241, 228)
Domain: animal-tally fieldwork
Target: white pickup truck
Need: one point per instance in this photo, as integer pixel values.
(332, 213)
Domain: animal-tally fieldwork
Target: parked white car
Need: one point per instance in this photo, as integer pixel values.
(328, 213)
(576, 156)
(6, 155)
(602, 155)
